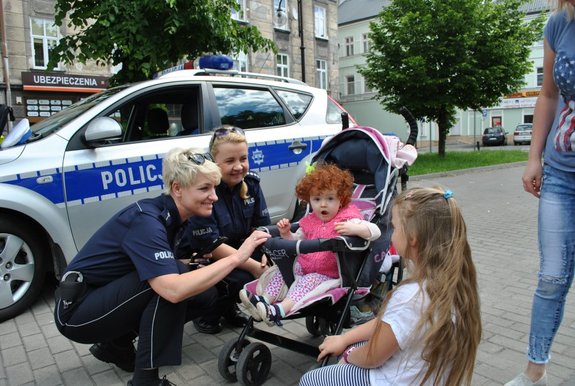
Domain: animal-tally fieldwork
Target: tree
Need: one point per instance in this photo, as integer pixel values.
(434, 56)
(149, 35)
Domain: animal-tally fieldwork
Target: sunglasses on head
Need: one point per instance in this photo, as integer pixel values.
(223, 131)
(199, 158)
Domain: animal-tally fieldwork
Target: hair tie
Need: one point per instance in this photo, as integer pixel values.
(309, 168)
(447, 194)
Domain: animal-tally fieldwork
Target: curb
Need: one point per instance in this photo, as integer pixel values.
(452, 173)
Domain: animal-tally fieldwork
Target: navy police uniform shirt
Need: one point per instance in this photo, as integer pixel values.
(139, 237)
(232, 217)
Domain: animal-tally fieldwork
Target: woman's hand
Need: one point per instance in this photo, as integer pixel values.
(332, 346)
(247, 248)
(532, 177)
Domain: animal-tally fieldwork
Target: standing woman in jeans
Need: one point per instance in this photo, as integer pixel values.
(554, 185)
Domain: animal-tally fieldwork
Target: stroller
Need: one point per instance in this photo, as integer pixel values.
(377, 163)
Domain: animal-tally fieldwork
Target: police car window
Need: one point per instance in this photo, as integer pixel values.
(296, 102)
(333, 112)
(248, 108)
(163, 114)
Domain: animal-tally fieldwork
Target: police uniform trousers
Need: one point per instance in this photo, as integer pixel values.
(228, 293)
(127, 307)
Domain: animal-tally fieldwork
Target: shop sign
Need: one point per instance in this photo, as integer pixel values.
(62, 82)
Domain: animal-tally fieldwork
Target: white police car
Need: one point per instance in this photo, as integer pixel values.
(95, 157)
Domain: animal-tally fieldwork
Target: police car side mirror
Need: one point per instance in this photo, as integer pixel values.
(102, 130)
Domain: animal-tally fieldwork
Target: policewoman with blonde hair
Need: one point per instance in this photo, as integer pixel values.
(125, 281)
(240, 209)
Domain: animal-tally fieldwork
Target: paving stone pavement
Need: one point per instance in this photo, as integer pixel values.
(501, 221)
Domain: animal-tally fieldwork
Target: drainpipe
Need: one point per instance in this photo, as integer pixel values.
(5, 63)
(301, 37)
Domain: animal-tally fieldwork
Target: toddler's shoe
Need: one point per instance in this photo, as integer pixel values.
(523, 380)
(270, 313)
(250, 302)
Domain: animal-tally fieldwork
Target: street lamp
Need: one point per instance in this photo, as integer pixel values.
(282, 17)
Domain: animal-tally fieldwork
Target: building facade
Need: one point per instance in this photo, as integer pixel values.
(353, 20)
(305, 32)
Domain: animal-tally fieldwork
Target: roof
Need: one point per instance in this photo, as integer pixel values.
(350, 11)
(535, 6)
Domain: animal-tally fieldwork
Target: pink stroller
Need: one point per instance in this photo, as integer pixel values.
(377, 163)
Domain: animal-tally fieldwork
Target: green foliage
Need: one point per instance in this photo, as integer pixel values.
(427, 163)
(149, 35)
(434, 56)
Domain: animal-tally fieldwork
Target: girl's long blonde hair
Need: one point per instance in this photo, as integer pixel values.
(451, 324)
(564, 5)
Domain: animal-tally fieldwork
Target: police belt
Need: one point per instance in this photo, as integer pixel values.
(72, 287)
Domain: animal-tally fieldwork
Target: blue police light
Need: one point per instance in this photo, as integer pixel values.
(216, 62)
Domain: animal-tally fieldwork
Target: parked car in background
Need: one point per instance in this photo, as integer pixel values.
(494, 136)
(522, 134)
(77, 168)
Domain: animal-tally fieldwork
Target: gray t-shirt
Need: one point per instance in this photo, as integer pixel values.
(560, 145)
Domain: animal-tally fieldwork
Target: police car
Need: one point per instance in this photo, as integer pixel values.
(75, 169)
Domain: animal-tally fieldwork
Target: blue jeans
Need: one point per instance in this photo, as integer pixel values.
(556, 234)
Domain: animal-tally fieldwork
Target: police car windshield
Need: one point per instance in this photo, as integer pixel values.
(56, 121)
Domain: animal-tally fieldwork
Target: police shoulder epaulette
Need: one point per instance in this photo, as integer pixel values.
(253, 176)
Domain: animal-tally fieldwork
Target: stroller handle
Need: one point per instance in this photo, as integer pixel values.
(413, 130)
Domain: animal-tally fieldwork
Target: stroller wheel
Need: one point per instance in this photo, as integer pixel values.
(254, 364)
(312, 323)
(327, 327)
(228, 358)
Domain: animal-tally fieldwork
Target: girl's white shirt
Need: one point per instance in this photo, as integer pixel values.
(403, 313)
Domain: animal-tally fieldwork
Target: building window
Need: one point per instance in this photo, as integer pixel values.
(281, 7)
(539, 76)
(365, 41)
(350, 82)
(366, 88)
(45, 36)
(320, 22)
(241, 62)
(349, 46)
(321, 74)
(241, 14)
(282, 66)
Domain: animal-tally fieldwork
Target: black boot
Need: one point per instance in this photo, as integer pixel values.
(234, 317)
(123, 356)
(206, 326)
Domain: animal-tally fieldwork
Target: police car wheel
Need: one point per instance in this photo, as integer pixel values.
(228, 358)
(22, 266)
(254, 364)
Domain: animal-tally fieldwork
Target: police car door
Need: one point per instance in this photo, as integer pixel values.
(282, 130)
(99, 181)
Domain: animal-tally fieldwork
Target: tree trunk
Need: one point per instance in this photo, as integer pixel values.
(443, 128)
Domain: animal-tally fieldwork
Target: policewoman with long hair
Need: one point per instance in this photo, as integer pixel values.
(240, 209)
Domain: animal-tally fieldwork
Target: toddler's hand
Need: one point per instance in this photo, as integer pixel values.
(284, 226)
(346, 228)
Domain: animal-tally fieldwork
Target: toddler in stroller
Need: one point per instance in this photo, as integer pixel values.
(328, 189)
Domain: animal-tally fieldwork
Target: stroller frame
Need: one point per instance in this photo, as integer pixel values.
(250, 362)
